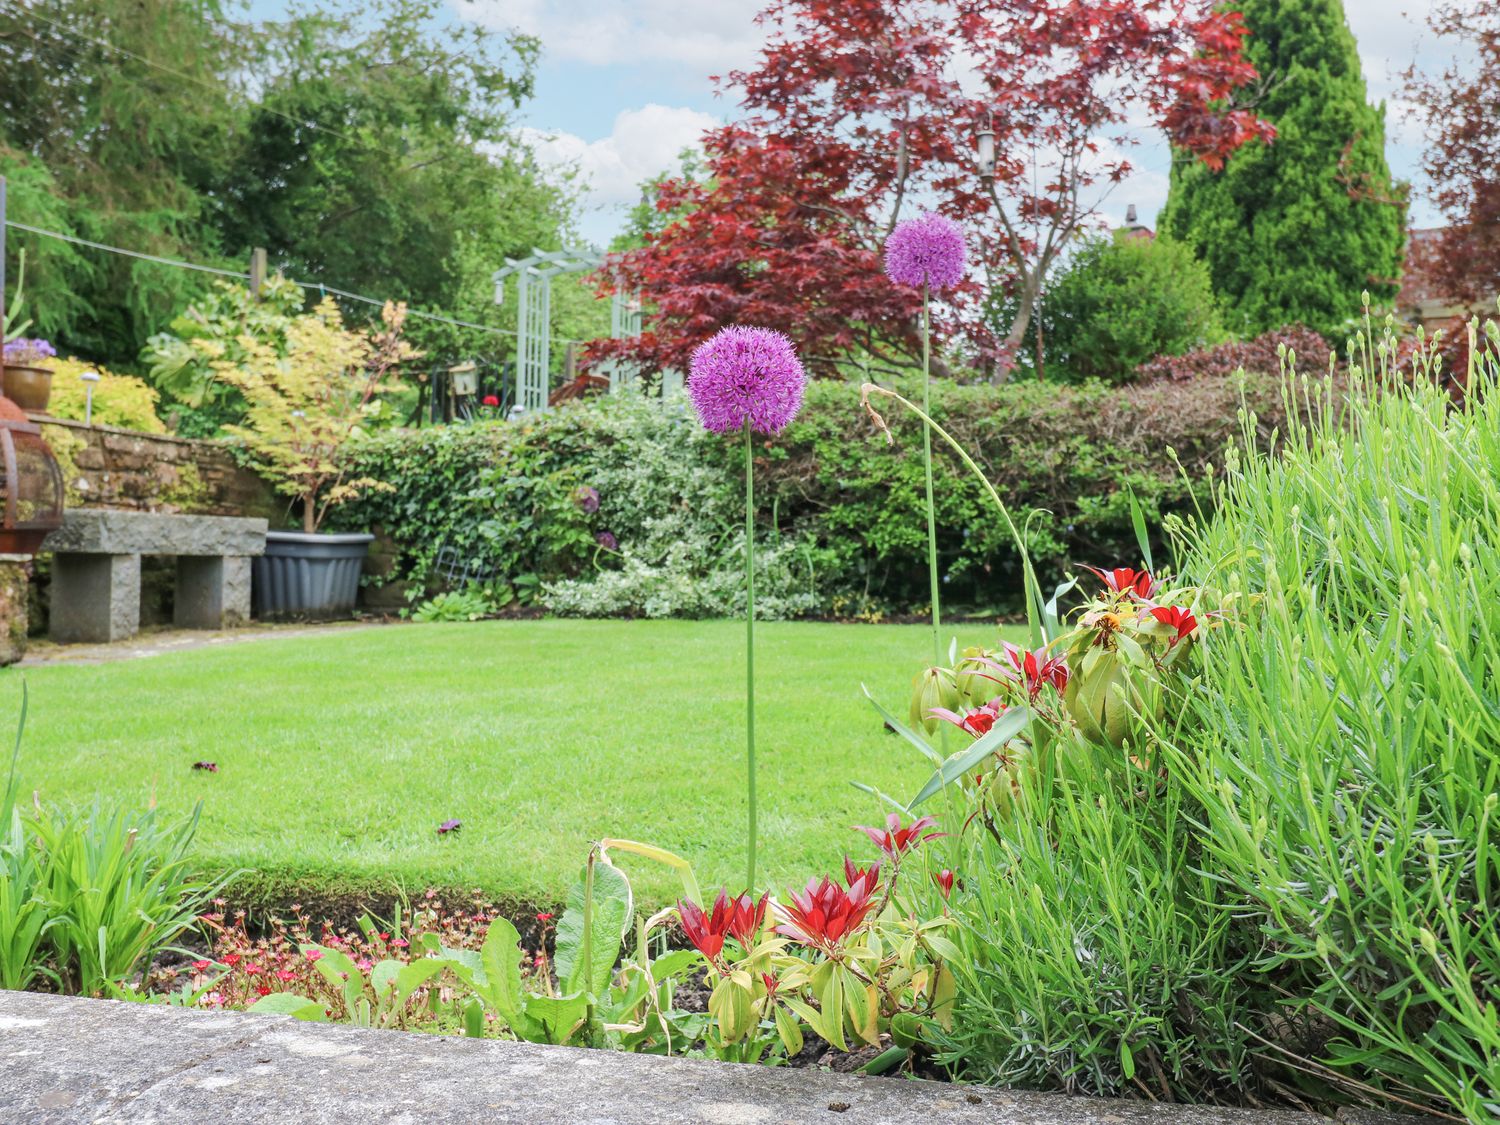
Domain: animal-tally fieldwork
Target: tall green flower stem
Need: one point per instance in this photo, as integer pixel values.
(1035, 609)
(750, 647)
(932, 559)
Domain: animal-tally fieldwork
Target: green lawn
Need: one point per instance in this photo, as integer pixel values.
(340, 753)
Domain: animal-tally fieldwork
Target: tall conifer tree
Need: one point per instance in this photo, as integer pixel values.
(1293, 231)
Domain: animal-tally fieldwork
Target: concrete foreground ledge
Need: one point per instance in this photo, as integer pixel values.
(65, 1060)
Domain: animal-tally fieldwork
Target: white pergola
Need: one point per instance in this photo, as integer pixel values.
(534, 318)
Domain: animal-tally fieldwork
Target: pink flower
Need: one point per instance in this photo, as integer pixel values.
(745, 375)
(928, 250)
(313, 954)
(285, 974)
(201, 966)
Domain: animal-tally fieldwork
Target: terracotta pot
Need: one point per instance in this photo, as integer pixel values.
(28, 387)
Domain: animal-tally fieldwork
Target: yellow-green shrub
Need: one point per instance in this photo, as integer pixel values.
(119, 400)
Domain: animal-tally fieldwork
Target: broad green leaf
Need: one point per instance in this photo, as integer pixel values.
(383, 979)
(831, 1000)
(415, 974)
(1006, 727)
(611, 911)
(474, 1019)
(555, 1018)
(683, 868)
(289, 1004)
(501, 958)
(790, 1031)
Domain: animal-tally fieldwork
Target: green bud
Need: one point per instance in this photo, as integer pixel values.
(931, 687)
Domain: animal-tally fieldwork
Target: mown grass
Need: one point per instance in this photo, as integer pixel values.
(340, 754)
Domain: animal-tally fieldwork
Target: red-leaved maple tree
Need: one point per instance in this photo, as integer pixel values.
(1462, 112)
(864, 112)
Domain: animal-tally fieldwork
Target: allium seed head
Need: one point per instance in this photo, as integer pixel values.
(746, 374)
(929, 249)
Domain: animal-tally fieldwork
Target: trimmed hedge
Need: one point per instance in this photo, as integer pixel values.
(840, 508)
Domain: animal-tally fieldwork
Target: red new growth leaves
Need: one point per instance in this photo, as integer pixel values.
(825, 912)
(740, 918)
(894, 840)
(1175, 617)
(858, 108)
(1124, 580)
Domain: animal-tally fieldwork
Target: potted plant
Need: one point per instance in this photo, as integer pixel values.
(26, 378)
(305, 401)
(28, 375)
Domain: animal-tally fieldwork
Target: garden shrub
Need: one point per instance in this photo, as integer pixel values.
(1122, 300)
(842, 511)
(1276, 879)
(1260, 356)
(1345, 751)
(119, 400)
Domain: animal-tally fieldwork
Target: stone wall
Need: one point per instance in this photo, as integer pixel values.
(107, 467)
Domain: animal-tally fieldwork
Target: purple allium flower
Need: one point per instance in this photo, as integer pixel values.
(746, 374)
(588, 499)
(929, 249)
(607, 540)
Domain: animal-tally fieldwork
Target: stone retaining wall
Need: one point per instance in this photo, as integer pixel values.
(67, 1060)
(107, 467)
(132, 471)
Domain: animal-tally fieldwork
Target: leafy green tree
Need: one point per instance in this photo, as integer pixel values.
(1122, 300)
(383, 158)
(117, 121)
(1293, 231)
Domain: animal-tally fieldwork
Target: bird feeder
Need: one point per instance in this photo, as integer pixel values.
(32, 483)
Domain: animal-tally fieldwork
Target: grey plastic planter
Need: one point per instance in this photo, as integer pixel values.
(303, 575)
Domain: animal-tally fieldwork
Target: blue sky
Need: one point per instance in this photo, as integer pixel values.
(624, 85)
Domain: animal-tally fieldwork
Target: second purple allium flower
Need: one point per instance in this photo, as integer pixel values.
(746, 374)
(929, 249)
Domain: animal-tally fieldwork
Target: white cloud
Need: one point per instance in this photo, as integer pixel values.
(643, 143)
(712, 36)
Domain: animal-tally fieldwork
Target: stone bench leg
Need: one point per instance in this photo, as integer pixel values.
(212, 592)
(95, 597)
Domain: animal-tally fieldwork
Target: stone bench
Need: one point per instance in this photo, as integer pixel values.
(96, 570)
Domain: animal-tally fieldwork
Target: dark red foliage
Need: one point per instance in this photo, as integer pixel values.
(856, 112)
(1463, 153)
(1258, 356)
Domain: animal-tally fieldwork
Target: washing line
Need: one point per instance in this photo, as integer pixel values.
(245, 276)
